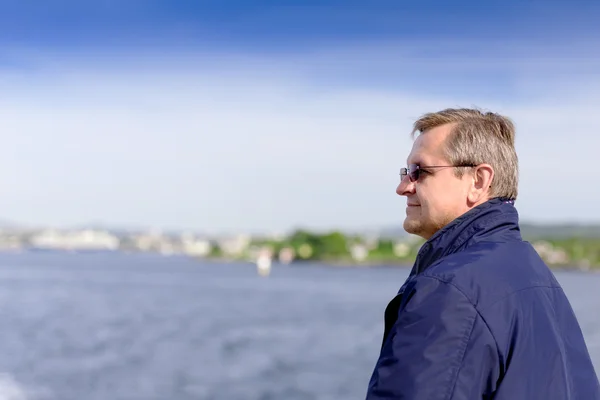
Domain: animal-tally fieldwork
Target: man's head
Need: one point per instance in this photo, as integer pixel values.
(460, 159)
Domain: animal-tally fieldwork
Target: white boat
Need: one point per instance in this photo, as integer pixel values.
(263, 264)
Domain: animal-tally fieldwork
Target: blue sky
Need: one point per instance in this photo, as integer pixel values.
(232, 116)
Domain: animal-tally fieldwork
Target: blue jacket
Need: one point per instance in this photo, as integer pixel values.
(482, 317)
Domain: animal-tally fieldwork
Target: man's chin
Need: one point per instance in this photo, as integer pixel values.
(416, 227)
(411, 226)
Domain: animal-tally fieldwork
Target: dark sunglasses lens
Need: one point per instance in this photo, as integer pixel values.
(413, 172)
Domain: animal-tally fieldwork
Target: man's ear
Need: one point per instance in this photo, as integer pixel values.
(482, 177)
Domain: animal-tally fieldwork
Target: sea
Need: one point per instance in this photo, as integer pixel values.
(117, 326)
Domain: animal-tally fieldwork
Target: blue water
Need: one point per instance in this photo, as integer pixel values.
(116, 326)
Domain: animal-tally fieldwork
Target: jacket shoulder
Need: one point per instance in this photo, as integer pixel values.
(489, 271)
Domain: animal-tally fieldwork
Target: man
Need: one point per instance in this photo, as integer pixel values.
(480, 315)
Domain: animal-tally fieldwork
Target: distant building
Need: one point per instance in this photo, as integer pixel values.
(286, 255)
(234, 246)
(195, 247)
(75, 240)
(359, 252)
(401, 249)
(550, 254)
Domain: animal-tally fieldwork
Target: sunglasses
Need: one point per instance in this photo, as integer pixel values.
(414, 171)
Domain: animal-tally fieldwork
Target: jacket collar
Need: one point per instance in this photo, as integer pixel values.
(497, 217)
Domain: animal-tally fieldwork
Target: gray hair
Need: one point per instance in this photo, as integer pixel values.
(478, 138)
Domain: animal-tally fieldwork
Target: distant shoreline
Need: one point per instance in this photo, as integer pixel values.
(378, 264)
(338, 264)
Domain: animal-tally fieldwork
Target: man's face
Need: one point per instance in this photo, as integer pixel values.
(438, 196)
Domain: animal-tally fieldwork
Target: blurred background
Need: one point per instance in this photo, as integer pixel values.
(197, 198)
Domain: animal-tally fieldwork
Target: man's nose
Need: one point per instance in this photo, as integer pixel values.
(405, 187)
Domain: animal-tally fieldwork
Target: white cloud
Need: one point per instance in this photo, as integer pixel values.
(259, 149)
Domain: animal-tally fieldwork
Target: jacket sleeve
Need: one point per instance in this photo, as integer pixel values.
(438, 349)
